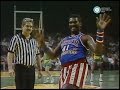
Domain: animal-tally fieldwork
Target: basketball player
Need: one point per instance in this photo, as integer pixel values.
(99, 62)
(72, 51)
(45, 60)
(91, 64)
(47, 64)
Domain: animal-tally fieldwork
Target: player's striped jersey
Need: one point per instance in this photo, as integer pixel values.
(72, 49)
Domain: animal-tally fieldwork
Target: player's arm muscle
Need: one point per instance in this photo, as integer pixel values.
(54, 53)
(91, 43)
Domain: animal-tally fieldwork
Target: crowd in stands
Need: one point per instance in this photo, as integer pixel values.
(111, 60)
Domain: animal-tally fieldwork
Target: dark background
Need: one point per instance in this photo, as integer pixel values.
(56, 13)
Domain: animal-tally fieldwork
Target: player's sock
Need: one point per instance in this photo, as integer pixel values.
(100, 79)
(91, 77)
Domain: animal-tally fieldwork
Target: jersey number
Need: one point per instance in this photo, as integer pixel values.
(65, 48)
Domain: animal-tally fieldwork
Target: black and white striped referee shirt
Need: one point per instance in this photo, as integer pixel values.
(25, 51)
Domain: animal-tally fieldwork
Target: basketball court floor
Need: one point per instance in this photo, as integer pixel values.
(110, 81)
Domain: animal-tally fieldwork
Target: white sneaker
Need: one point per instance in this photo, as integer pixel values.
(91, 83)
(52, 80)
(91, 80)
(46, 80)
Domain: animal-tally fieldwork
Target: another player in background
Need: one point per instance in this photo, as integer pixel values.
(91, 64)
(47, 65)
(99, 63)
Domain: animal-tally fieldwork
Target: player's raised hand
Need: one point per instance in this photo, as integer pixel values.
(103, 21)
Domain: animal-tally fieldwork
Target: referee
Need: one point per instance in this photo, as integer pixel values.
(24, 53)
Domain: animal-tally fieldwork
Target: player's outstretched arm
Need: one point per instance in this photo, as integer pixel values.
(97, 47)
(102, 22)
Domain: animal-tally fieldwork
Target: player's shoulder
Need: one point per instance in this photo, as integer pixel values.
(65, 38)
(84, 36)
(87, 36)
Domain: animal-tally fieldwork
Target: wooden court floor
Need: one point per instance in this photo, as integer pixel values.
(110, 81)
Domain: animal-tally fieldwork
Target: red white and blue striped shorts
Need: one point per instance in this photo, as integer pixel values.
(74, 73)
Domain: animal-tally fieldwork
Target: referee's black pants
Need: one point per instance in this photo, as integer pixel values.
(24, 76)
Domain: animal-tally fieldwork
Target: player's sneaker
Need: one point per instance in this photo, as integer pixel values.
(91, 83)
(100, 79)
(91, 80)
(46, 80)
(52, 80)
